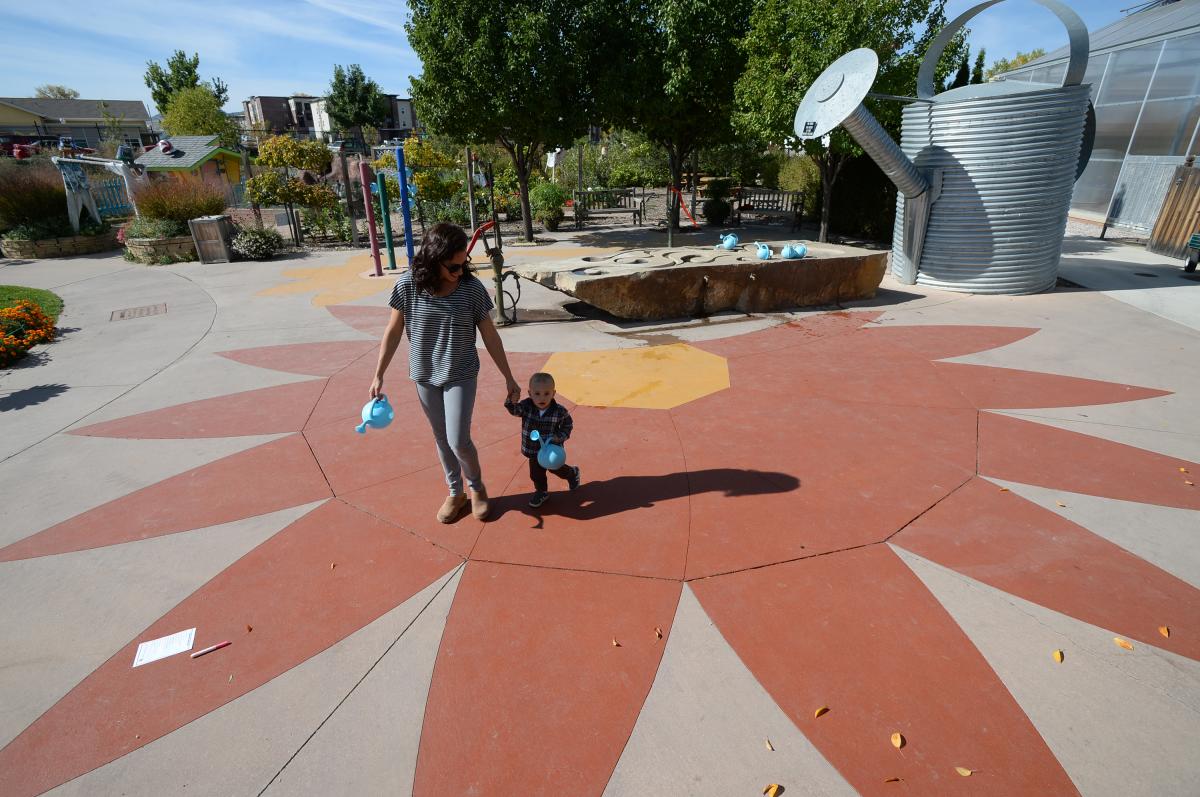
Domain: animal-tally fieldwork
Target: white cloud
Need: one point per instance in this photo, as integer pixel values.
(387, 15)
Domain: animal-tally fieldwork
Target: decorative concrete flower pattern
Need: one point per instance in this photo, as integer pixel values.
(781, 500)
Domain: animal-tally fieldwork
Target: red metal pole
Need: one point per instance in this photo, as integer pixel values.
(364, 176)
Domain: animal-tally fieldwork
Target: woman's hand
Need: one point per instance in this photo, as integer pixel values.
(514, 391)
(376, 387)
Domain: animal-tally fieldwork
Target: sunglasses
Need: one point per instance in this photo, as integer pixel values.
(454, 268)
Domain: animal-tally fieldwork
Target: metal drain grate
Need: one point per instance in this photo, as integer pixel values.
(138, 312)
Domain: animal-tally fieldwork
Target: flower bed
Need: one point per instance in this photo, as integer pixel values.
(157, 250)
(21, 326)
(60, 247)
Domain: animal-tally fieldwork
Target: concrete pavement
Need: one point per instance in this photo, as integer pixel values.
(897, 510)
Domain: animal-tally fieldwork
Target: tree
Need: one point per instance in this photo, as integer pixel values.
(356, 101)
(674, 79)
(1007, 65)
(977, 72)
(512, 73)
(113, 133)
(53, 91)
(196, 111)
(789, 44)
(181, 73)
(963, 76)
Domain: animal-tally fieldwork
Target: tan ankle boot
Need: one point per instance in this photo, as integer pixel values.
(479, 504)
(452, 507)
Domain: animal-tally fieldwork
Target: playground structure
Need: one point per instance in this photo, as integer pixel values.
(78, 187)
(984, 172)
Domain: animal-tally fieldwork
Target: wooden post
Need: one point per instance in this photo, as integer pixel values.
(364, 176)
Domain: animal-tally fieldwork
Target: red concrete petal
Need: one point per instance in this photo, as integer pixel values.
(849, 367)
(1007, 388)
(264, 479)
(792, 333)
(284, 589)
(371, 320)
(268, 410)
(348, 390)
(1034, 453)
(629, 516)
(776, 479)
(858, 632)
(529, 695)
(412, 501)
(939, 341)
(317, 359)
(1016, 546)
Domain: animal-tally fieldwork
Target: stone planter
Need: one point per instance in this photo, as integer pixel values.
(61, 247)
(152, 250)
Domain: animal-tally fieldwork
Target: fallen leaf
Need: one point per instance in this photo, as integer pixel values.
(891, 780)
(1003, 490)
(1162, 629)
(1183, 470)
(137, 736)
(770, 746)
(1189, 483)
(1058, 656)
(1060, 503)
(820, 711)
(658, 632)
(249, 628)
(616, 644)
(774, 790)
(332, 565)
(966, 773)
(230, 679)
(1121, 643)
(898, 740)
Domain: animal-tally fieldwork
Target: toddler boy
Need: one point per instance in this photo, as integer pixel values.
(553, 423)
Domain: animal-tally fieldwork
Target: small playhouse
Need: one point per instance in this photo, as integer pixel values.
(193, 158)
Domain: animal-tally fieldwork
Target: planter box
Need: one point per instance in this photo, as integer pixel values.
(61, 247)
(149, 250)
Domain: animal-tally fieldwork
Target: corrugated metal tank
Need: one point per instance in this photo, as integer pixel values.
(1008, 155)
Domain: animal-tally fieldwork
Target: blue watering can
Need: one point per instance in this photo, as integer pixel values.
(729, 241)
(377, 414)
(550, 456)
(764, 251)
(794, 251)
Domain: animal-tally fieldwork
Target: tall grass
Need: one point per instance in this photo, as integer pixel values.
(30, 194)
(180, 200)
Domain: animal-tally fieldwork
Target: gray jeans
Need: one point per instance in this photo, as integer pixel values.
(448, 408)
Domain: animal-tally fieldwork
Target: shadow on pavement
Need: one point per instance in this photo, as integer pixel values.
(599, 499)
(30, 396)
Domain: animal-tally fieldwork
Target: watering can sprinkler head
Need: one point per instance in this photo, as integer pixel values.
(376, 413)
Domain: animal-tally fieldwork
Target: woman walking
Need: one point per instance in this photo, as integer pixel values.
(443, 303)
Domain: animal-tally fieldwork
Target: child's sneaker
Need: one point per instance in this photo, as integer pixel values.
(538, 499)
(573, 482)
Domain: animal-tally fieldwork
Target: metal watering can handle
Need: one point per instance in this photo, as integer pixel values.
(1076, 32)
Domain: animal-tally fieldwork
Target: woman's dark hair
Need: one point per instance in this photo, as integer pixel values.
(438, 245)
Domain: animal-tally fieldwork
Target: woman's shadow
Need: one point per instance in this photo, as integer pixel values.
(599, 499)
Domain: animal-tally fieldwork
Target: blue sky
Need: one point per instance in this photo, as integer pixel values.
(285, 46)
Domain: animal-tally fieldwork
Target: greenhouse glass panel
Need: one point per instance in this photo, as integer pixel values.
(1094, 188)
(1166, 127)
(1114, 128)
(1129, 74)
(1178, 74)
(1095, 72)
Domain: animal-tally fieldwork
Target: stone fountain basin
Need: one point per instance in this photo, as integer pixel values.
(655, 284)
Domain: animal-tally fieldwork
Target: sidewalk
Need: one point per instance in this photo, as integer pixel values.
(897, 511)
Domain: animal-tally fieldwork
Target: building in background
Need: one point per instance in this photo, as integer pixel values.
(1146, 90)
(81, 120)
(273, 115)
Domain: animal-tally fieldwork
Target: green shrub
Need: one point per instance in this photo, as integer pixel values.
(256, 243)
(30, 194)
(155, 228)
(716, 211)
(546, 202)
(54, 228)
(180, 200)
(799, 173)
(330, 222)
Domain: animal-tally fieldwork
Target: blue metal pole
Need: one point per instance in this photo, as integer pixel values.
(404, 204)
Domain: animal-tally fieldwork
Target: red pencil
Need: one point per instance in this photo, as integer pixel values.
(210, 649)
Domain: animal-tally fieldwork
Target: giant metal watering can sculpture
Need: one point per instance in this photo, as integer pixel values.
(984, 172)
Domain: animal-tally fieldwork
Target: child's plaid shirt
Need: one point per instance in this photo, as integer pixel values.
(554, 425)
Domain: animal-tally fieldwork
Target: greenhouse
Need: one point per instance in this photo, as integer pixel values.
(1146, 91)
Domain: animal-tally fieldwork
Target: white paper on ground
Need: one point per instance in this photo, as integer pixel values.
(165, 646)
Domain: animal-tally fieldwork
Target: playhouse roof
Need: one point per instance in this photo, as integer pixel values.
(189, 153)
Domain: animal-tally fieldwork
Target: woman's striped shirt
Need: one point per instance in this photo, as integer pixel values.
(441, 329)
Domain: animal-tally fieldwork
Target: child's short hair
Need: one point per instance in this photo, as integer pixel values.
(541, 378)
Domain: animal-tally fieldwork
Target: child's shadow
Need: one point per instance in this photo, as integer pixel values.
(598, 499)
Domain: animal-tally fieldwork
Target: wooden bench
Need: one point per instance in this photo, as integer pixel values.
(768, 202)
(609, 202)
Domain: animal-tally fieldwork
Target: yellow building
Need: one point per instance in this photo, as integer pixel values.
(193, 158)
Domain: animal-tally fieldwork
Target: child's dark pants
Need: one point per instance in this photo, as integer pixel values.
(538, 474)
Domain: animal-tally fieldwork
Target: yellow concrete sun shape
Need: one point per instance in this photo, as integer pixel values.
(653, 378)
(335, 284)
